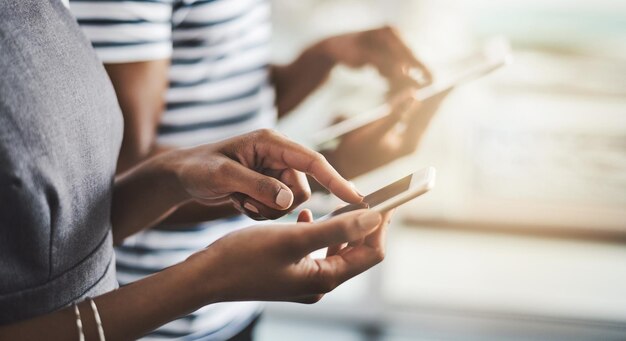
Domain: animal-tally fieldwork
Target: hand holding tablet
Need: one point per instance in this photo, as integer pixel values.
(496, 55)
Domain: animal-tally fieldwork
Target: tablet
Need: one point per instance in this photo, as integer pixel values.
(394, 194)
(496, 55)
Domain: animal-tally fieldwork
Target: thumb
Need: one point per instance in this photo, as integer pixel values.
(337, 230)
(263, 188)
(305, 216)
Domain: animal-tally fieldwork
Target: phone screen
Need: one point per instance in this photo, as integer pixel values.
(379, 196)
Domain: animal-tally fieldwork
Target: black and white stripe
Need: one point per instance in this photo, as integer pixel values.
(219, 87)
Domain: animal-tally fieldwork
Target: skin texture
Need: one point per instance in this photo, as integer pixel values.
(258, 167)
(381, 48)
(272, 263)
(382, 142)
(358, 152)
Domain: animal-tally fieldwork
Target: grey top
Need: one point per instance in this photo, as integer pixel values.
(60, 133)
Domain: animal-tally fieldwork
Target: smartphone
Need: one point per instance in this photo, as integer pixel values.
(395, 194)
(496, 55)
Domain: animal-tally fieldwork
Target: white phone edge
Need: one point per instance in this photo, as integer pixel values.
(427, 182)
(335, 131)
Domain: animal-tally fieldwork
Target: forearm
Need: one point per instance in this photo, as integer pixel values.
(295, 81)
(126, 313)
(194, 213)
(144, 196)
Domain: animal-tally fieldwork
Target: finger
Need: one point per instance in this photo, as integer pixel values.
(279, 151)
(399, 105)
(352, 260)
(419, 117)
(334, 249)
(298, 184)
(376, 239)
(398, 47)
(345, 265)
(356, 243)
(305, 216)
(337, 230)
(244, 205)
(256, 209)
(416, 123)
(401, 55)
(265, 189)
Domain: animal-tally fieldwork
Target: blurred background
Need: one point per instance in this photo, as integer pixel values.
(524, 236)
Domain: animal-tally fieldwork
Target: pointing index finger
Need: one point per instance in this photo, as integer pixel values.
(292, 155)
(316, 165)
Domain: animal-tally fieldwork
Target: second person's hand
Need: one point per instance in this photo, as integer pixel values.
(391, 137)
(262, 172)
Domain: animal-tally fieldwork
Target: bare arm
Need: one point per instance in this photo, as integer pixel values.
(126, 313)
(381, 48)
(262, 172)
(378, 143)
(140, 88)
(297, 80)
(275, 267)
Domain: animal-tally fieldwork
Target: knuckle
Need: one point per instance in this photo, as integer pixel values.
(316, 158)
(265, 185)
(302, 196)
(222, 166)
(319, 157)
(265, 133)
(379, 255)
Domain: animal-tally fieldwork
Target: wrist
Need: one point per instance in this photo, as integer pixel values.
(205, 284)
(325, 51)
(170, 173)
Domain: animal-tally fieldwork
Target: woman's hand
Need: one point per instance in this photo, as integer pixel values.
(393, 136)
(381, 48)
(263, 173)
(268, 263)
(272, 262)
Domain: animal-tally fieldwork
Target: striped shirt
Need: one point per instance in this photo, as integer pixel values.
(218, 87)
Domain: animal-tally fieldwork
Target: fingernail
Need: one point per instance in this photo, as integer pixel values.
(368, 220)
(250, 207)
(284, 198)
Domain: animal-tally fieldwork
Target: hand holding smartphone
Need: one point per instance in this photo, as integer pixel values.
(395, 194)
